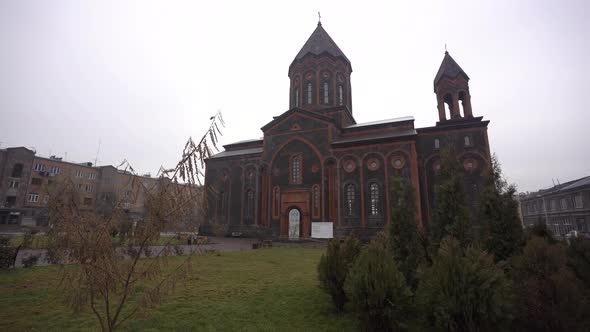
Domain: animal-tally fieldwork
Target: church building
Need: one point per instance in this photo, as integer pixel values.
(316, 172)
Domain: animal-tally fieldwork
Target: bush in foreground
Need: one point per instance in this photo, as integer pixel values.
(549, 297)
(464, 290)
(334, 266)
(377, 290)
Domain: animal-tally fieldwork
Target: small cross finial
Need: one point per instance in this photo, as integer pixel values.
(319, 18)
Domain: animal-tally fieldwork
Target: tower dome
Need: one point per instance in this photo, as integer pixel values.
(320, 74)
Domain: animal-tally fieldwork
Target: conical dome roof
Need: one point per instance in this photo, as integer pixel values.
(448, 67)
(320, 42)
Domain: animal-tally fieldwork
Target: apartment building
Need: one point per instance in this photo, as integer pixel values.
(563, 208)
(15, 171)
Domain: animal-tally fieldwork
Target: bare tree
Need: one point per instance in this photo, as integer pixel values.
(111, 278)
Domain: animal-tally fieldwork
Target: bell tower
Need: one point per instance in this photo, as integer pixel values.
(451, 86)
(320, 75)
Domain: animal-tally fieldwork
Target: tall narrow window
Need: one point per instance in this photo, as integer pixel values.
(222, 203)
(296, 169)
(309, 89)
(374, 192)
(468, 141)
(340, 96)
(350, 200)
(316, 200)
(249, 204)
(275, 202)
(296, 97)
(326, 95)
(436, 144)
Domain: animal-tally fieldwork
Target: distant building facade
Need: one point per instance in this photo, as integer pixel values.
(26, 181)
(563, 208)
(16, 166)
(316, 166)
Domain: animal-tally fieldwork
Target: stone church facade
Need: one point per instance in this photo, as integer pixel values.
(315, 165)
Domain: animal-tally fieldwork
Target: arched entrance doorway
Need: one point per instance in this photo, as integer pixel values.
(294, 221)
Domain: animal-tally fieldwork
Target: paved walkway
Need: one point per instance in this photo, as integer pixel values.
(216, 244)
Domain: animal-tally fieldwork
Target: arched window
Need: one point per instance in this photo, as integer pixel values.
(350, 200)
(276, 198)
(309, 90)
(316, 200)
(222, 203)
(326, 94)
(296, 169)
(340, 95)
(17, 170)
(468, 141)
(249, 204)
(374, 192)
(296, 97)
(448, 100)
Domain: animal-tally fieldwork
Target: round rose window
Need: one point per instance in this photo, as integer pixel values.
(349, 166)
(398, 162)
(373, 164)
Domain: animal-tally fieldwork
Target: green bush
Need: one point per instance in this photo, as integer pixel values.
(578, 258)
(334, 266)
(549, 297)
(464, 290)
(377, 290)
(30, 261)
(7, 253)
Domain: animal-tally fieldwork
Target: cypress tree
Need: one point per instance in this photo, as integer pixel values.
(403, 237)
(450, 211)
(498, 212)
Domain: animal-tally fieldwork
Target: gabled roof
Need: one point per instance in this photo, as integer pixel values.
(320, 42)
(448, 67)
(286, 114)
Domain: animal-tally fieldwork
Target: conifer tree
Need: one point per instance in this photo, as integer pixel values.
(403, 237)
(450, 211)
(377, 289)
(498, 211)
(334, 266)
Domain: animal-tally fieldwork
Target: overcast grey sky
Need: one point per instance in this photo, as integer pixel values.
(143, 76)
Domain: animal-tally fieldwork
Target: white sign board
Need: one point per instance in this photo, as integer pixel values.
(322, 230)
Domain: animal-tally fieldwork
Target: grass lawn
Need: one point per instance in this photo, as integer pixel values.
(267, 289)
(42, 241)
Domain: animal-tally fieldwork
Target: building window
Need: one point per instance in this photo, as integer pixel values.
(578, 201)
(249, 204)
(309, 90)
(553, 205)
(13, 184)
(33, 198)
(296, 97)
(374, 192)
(55, 170)
(90, 188)
(91, 176)
(436, 144)
(276, 198)
(326, 94)
(87, 201)
(39, 167)
(350, 200)
(340, 95)
(222, 203)
(17, 170)
(296, 169)
(563, 204)
(79, 174)
(316, 200)
(468, 140)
